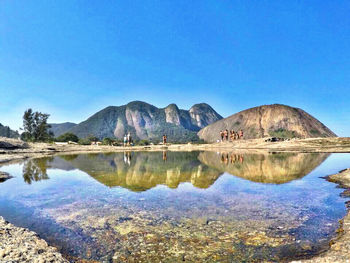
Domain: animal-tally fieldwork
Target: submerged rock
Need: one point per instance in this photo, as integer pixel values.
(4, 176)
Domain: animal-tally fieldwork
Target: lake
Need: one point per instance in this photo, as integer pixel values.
(178, 206)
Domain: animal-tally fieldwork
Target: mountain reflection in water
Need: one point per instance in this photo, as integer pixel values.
(175, 206)
(138, 171)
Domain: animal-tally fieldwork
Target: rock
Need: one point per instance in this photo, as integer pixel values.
(20, 245)
(4, 176)
(11, 144)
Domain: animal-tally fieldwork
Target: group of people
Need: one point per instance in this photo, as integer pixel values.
(231, 135)
(232, 158)
(128, 140)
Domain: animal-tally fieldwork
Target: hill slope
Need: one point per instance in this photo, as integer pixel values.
(145, 121)
(5, 131)
(269, 120)
(60, 128)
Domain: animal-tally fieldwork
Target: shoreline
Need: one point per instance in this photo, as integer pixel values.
(19, 244)
(339, 249)
(22, 151)
(337, 252)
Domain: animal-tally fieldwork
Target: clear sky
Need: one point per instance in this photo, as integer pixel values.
(72, 58)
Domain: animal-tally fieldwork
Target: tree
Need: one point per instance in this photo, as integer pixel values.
(88, 140)
(108, 141)
(68, 136)
(8, 132)
(35, 126)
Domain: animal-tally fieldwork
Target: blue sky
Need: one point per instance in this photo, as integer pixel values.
(72, 58)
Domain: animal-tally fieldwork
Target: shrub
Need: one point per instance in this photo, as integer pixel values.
(66, 137)
(108, 141)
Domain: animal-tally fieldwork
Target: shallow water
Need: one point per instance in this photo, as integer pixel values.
(178, 206)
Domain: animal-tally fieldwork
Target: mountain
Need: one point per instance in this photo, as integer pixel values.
(140, 171)
(269, 120)
(5, 131)
(145, 121)
(60, 128)
(277, 168)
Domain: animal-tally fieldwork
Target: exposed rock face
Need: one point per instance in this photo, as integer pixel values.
(11, 144)
(269, 120)
(203, 115)
(145, 121)
(60, 128)
(172, 114)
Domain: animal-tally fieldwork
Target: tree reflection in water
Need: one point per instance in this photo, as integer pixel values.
(35, 170)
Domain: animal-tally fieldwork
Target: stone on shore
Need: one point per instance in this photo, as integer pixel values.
(4, 176)
(11, 144)
(21, 245)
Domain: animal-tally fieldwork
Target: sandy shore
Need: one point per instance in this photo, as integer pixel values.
(26, 245)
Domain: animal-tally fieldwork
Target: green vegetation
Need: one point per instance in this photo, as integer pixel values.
(88, 140)
(108, 141)
(35, 127)
(315, 132)
(142, 142)
(61, 128)
(283, 133)
(5, 131)
(66, 137)
(36, 170)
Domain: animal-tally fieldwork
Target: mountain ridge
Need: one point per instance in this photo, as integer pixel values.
(5, 131)
(146, 121)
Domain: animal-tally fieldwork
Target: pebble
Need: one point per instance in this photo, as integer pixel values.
(21, 245)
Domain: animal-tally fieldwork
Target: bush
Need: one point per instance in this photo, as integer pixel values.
(108, 141)
(66, 137)
(84, 141)
(143, 142)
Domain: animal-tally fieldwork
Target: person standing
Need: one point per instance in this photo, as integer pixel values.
(125, 140)
(222, 136)
(241, 134)
(128, 139)
(164, 139)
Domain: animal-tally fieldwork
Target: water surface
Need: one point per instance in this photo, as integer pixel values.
(178, 206)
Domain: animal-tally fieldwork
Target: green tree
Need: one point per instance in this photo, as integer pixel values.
(88, 140)
(35, 126)
(108, 141)
(143, 142)
(68, 136)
